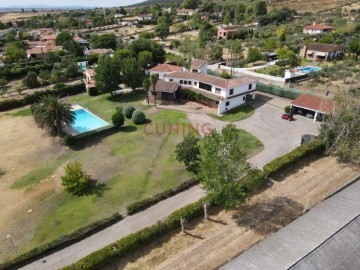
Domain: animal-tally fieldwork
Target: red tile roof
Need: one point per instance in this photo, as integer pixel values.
(318, 27)
(42, 50)
(314, 103)
(197, 63)
(164, 86)
(320, 47)
(166, 68)
(49, 37)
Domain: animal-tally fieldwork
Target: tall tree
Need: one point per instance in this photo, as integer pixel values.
(52, 114)
(188, 152)
(223, 166)
(107, 75)
(227, 17)
(207, 32)
(261, 8)
(281, 34)
(162, 28)
(3, 86)
(146, 85)
(13, 52)
(354, 47)
(133, 74)
(153, 80)
(145, 59)
(63, 38)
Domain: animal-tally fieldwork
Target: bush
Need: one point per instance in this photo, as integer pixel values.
(62, 242)
(118, 118)
(287, 109)
(138, 117)
(69, 139)
(128, 111)
(253, 180)
(285, 161)
(223, 74)
(146, 203)
(93, 91)
(279, 91)
(75, 180)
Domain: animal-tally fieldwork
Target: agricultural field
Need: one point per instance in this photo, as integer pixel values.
(20, 16)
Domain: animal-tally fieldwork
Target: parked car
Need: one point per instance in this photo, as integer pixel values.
(300, 111)
(309, 115)
(288, 116)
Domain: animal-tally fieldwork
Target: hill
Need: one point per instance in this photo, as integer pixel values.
(310, 5)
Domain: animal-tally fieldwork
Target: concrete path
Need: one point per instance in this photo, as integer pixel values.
(292, 243)
(128, 225)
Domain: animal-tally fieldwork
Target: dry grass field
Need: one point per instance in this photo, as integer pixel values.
(20, 16)
(310, 5)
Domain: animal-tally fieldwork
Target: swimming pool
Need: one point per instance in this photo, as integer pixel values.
(308, 69)
(86, 121)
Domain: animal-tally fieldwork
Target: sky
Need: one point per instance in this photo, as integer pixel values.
(91, 3)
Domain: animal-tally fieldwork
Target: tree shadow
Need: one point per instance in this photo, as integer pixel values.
(128, 97)
(218, 221)
(87, 143)
(268, 216)
(193, 235)
(96, 189)
(128, 129)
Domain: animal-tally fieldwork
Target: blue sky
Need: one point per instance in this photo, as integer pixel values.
(97, 3)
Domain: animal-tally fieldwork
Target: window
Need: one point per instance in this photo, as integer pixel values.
(217, 90)
(250, 86)
(195, 83)
(181, 82)
(227, 103)
(243, 98)
(231, 92)
(189, 82)
(185, 82)
(171, 80)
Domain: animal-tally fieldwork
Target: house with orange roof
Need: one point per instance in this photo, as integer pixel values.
(317, 29)
(313, 106)
(164, 69)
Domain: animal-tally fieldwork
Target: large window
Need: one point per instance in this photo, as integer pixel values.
(227, 103)
(217, 90)
(231, 92)
(181, 82)
(205, 86)
(250, 86)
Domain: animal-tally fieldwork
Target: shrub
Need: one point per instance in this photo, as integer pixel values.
(31, 80)
(287, 160)
(253, 180)
(59, 86)
(75, 180)
(138, 117)
(223, 74)
(287, 109)
(69, 139)
(93, 91)
(128, 111)
(118, 118)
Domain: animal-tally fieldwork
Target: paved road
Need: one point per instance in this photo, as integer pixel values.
(277, 135)
(292, 243)
(128, 225)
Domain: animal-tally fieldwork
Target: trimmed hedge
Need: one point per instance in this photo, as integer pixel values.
(138, 117)
(128, 111)
(12, 103)
(279, 91)
(70, 140)
(287, 160)
(193, 96)
(146, 203)
(61, 242)
(132, 242)
(16, 72)
(254, 180)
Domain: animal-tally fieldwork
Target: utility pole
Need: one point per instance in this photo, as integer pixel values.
(9, 238)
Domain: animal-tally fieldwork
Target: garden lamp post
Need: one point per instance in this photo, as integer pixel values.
(9, 238)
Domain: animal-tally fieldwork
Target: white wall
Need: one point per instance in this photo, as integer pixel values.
(234, 102)
(161, 74)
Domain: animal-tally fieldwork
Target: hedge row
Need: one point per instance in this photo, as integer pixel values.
(16, 72)
(146, 203)
(279, 91)
(285, 161)
(12, 103)
(191, 95)
(62, 242)
(71, 140)
(132, 242)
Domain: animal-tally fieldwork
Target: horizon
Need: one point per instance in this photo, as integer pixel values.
(69, 3)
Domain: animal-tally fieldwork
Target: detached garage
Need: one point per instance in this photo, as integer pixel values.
(313, 107)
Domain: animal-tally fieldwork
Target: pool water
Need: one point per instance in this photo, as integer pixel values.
(308, 69)
(86, 121)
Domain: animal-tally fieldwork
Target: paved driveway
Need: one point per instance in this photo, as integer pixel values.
(277, 135)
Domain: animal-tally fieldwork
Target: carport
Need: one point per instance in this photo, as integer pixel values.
(308, 105)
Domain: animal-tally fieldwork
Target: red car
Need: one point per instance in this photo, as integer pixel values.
(288, 116)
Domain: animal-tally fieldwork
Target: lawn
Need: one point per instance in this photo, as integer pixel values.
(273, 71)
(236, 114)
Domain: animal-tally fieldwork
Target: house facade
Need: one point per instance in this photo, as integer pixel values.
(317, 29)
(185, 12)
(145, 17)
(225, 32)
(199, 66)
(164, 69)
(320, 51)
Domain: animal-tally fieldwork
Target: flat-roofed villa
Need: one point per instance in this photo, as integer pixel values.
(320, 51)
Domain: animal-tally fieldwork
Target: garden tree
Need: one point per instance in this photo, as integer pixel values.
(122, 54)
(104, 41)
(180, 28)
(153, 80)
(191, 4)
(146, 85)
(293, 59)
(9, 37)
(62, 38)
(3, 86)
(145, 59)
(227, 17)
(224, 74)
(121, 11)
(195, 21)
(261, 8)
(341, 131)
(31, 80)
(283, 53)
(281, 35)
(188, 152)
(52, 114)
(162, 28)
(236, 49)
(207, 32)
(51, 57)
(223, 165)
(354, 46)
(216, 52)
(57, 74)
(75, 180)
(13, 52)
(45, 75)
(107, 75)
(133, 74)
(118, 118)
(254, 55)
(270, 44)
(72, 71)
(73, 47)
(157, 50)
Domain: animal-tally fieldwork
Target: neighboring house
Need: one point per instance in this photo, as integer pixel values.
(119, 16)
(42, 32)
(144, 17)
(164, 69)
(126, 23)
(33, 44)
(226, 94)
(81, 41)
(165, 90)
(89, 79)
(225, 32)
(317, 29)
(316, 107)
(40, 51)
(320, 51)
(185, 12)
(198, 66)
(49, 37)
(98, 51)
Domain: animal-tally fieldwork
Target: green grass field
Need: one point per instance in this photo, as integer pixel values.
(236, 114)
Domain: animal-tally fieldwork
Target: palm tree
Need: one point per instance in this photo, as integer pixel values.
(153, 80)
(146, 86)
(51, 113)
